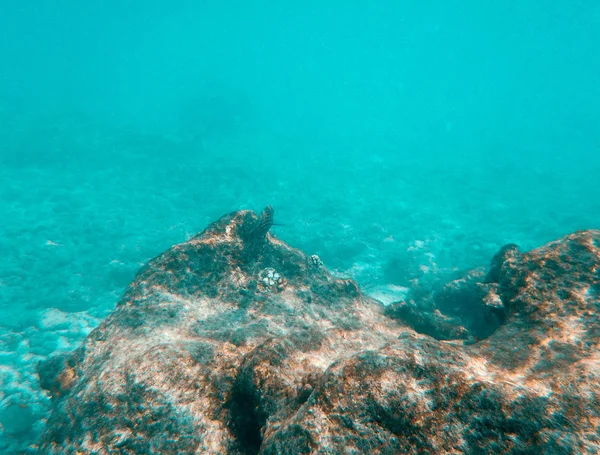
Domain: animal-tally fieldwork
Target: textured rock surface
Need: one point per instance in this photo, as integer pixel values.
(467, 308)
(531, 388)
(205, 348)
(203, 355)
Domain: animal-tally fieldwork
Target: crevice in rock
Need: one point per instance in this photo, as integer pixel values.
(247, 417)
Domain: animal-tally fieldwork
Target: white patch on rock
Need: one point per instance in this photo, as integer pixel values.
(387, 293)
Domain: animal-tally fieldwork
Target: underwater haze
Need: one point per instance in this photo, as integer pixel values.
(400, 141)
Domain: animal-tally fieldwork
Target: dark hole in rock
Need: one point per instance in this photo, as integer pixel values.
(247, 416)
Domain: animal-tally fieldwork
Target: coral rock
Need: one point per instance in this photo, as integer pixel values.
(196, 359)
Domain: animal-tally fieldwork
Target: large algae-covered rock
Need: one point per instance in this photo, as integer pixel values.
(216, 342)
(235, 343)
(533, 387)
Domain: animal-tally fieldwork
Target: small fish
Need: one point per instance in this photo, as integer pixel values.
(264, 224)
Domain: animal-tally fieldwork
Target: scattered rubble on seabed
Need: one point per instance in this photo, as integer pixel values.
(232, 343)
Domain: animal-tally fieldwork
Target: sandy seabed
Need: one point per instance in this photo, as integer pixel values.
(82, 211)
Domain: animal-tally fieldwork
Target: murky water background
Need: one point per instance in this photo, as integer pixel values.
(399, 142)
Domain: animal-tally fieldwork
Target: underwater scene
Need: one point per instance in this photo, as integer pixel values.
(299, 227)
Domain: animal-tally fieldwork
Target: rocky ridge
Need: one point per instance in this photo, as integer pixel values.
(235, 343)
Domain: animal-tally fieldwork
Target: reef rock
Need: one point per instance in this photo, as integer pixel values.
(235, 343)
(467, 307)
(215, 344)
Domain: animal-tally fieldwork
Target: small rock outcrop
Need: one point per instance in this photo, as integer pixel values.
(467, 307)
(235, 343)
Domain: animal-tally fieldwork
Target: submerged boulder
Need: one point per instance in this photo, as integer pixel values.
(235, 343)
(215, 343)
(467, 307)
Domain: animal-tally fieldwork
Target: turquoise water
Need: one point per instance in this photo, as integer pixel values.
(400, 141)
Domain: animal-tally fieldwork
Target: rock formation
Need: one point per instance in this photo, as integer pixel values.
(235, 343)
